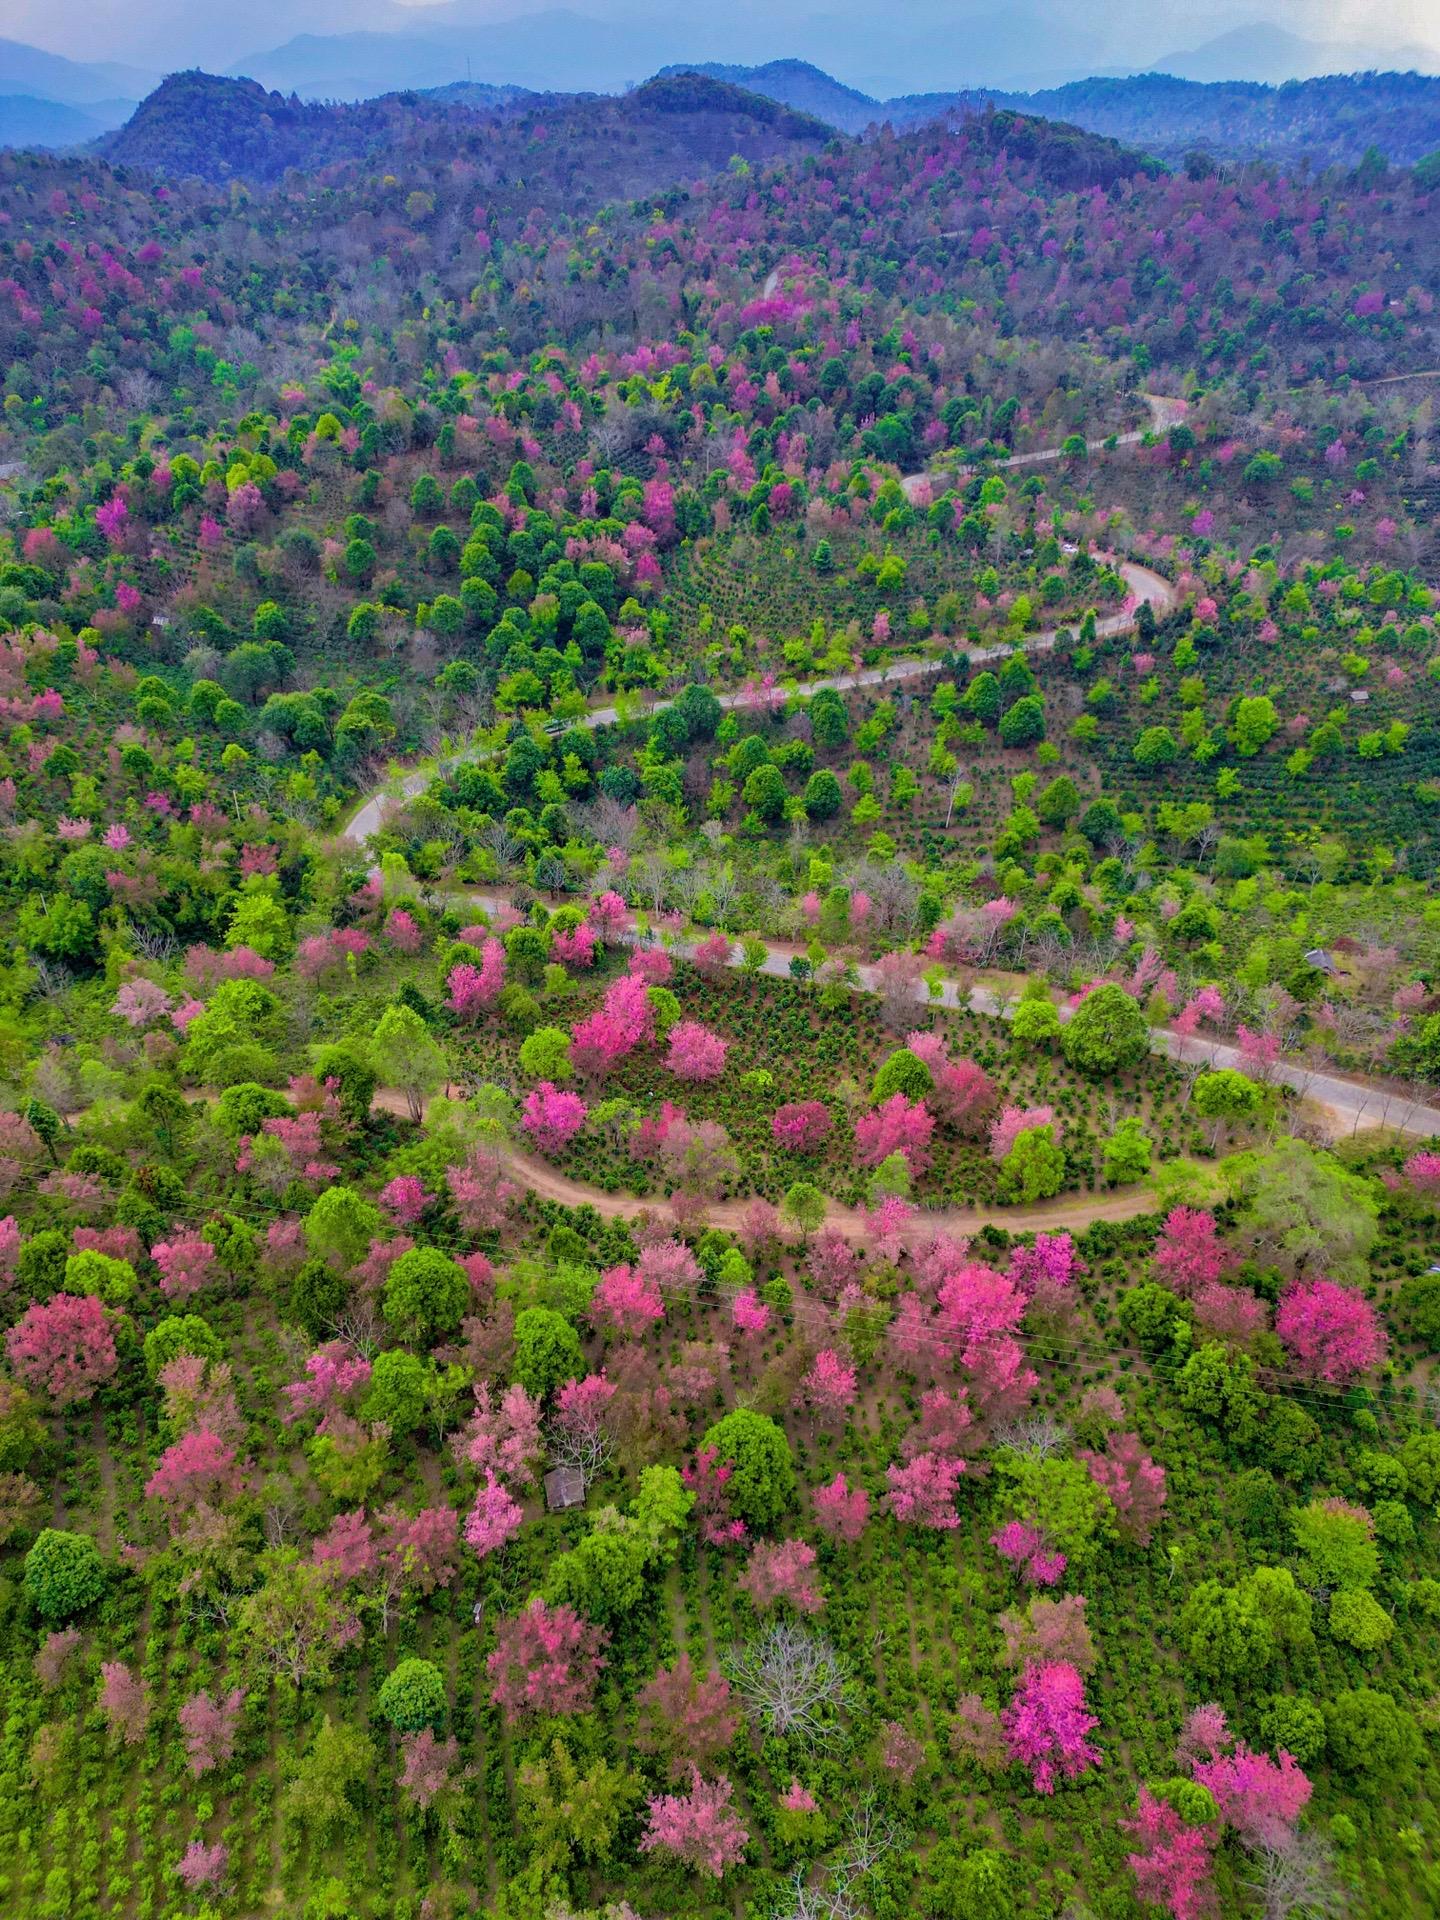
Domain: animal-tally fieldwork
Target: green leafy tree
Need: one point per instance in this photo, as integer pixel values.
(569, 1811)
(762, 1486)
(398, 1391)
(340, 1226)
(1107, 1034)
(1305, 1212)
(604, 1576)
(1034, 1168)
(324, 1794)
(803, 1206)
(1125, 1155)
(902, 1072)
(64, 1574)
(1058, 1497)
(406, 1056)
(426, 1294)
(1373, 1740)
(547, 1351)
(1337, 1543)
(413, 1696)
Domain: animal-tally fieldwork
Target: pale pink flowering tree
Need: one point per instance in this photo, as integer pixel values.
(749, 1314)
(186, 1264)
(1422, 1170)
(124, 1701)
(901, 1754)
(841, 1510)
(1049, 1630)
(963, 1096)
(695, 1052)
(801, 1126)
(333, 1373)
(404, 1198)
(1012, 1123)
(64, 1347)
(1331, 1332)
(483, 1193)
(347, 1547)
(141, 1003)
(922, 1491)
(627, 1301)
(1134, 1482)
(1047, 1723)
(203, 1866)
(832, 1261)
(427, 1766)
(495, 1518)
(502, 1435)
(699, 1828)
(199, 1467)
(828, 1389)
(782, 1570)
(211, 1728)
(686, 1718)
(708, 1478)
(547, 1661)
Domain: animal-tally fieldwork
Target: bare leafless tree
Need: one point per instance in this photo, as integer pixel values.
(792, 1681)
(1297, 1878)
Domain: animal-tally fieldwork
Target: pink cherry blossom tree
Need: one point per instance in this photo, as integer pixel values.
(203, 1866)
(1188, 1255)
(502, 1434)
(626, 1301)
(922, 1491)
(801, 1126)
(1047, 1723)
(1331, 1333)
(186, 1263)
(124, 1701)
(828, 1389)
(841, 1510)
(1261, 1798)
(211, 1728)
(686, 1718)
(547, 1660)
(200, 1467)
(897, 1125)
(63, 1347)
(552, 1116)
(695, 1052)
(427, 1766)
(1049, 1630)
(700, 1828)
(1134, 1482)
(782, 1570)
(1172, 1863)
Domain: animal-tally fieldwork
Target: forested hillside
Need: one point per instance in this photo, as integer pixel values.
(719, 1020)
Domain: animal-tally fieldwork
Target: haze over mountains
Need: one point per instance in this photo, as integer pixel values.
(1251, 90)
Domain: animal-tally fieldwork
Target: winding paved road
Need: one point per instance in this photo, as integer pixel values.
(1165, 412)
(1143, 583)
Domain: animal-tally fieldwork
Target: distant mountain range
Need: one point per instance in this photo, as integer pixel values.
(46, 100)
(611, 146)
(1332, 119)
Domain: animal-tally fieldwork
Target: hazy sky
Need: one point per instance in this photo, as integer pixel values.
(938, 38)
